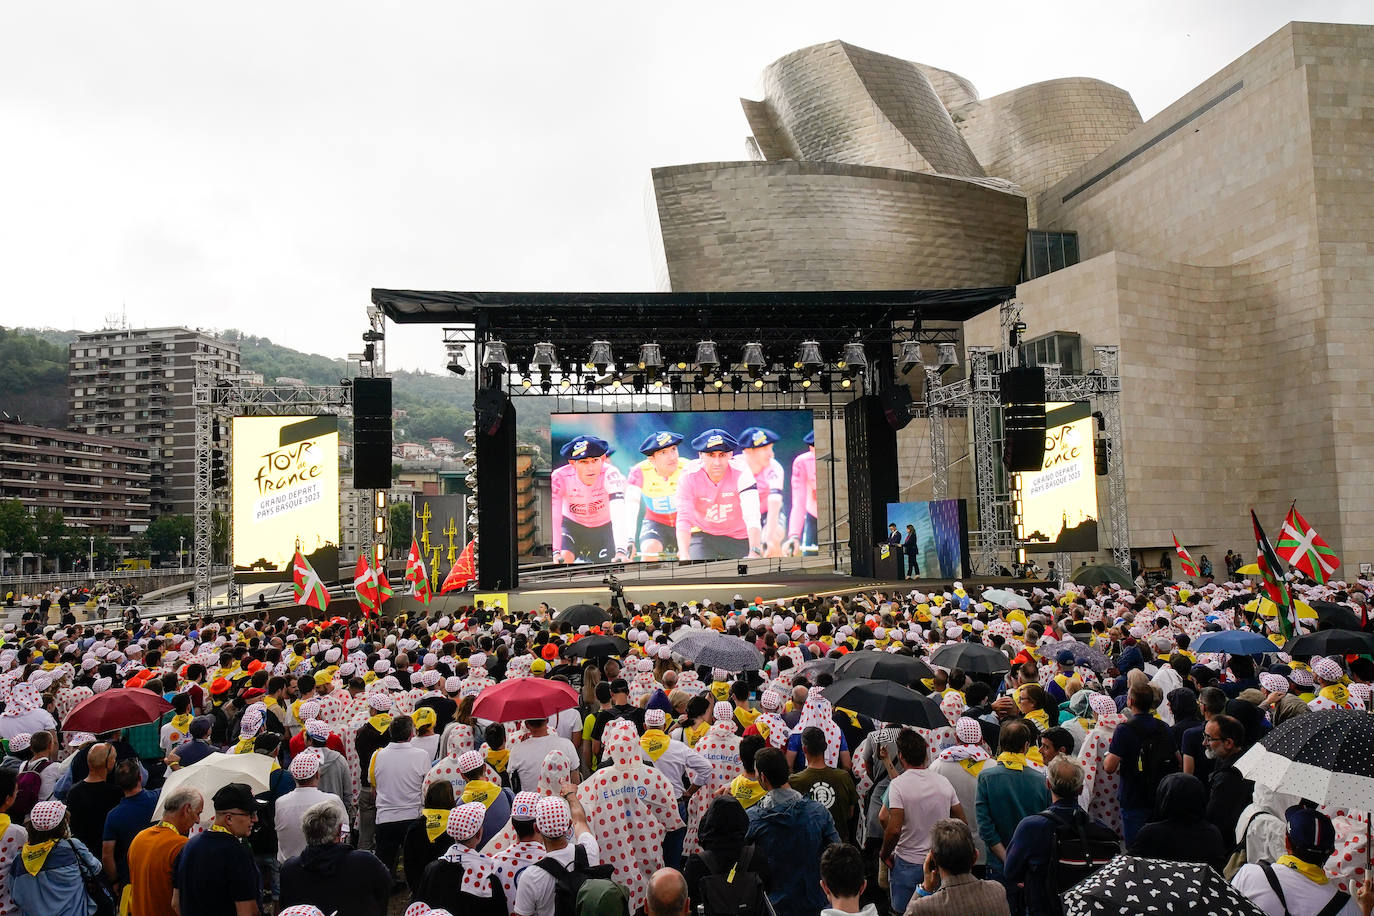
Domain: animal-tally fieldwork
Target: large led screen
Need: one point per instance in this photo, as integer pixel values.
(285, 480)
(1059, 502)
(698, 485)
(940, 529)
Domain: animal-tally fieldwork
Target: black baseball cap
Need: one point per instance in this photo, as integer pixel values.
(235, 795)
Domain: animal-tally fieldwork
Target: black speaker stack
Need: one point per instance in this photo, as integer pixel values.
(371, 433)
(1023, 418)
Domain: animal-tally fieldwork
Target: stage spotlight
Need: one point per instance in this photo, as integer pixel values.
(675, 384)
(855, 360)
(525, 383)
(806, 382)
(736, 384)
(681, 364)
(784, 383)
(546, 384)
(637, 382)
(565, 383)
(948, 356)
(753, 359)
(809, 357)
(717, 383)
(846, 382)
(699, 384)
(758, 382)
(601, 357)
(707, 358)
(457, 356)
(911, 356)
(545, 357)
(589, 385)
(650, 359)
(494, 356)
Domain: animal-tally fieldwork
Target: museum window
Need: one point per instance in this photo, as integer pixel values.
(1047, 252)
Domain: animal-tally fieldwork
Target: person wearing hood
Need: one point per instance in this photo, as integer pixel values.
(793, 831)
(333, 875)
(1177, 831)
(721, 836)
(1261, 827)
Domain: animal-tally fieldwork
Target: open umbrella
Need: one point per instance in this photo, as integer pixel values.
(215, 771)
(1006, 598)
(971, 658)
(124, 707)
(1336, 616)
(900, 669)
(1329, 642)
(1266, 608)
(579, 615)
(1083, 654)
(1325, 756)
(1130, 884)
(1249, 569)
(598, 646)
(818, 666)
(1102, 574)
(885, 701)
(717, 650)
(1233, 642)
(523, 698)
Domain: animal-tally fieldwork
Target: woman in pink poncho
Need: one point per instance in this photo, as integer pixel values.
(630, 807)
(1100, 797)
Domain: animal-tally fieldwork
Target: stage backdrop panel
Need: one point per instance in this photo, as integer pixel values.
(285, 488)
(625, 507)
(1059, 502)
(440, 529)
(941, 534)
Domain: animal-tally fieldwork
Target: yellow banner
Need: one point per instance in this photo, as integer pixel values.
(285, 483)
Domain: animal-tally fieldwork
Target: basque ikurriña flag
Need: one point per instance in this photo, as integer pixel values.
(1185, 559)
(1303, 549)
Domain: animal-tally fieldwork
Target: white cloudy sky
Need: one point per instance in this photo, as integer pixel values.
(264, 165)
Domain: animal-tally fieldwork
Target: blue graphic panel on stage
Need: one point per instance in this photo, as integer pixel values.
(941, 529)
(699, 485)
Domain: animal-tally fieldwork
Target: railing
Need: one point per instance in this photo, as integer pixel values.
(83, 577)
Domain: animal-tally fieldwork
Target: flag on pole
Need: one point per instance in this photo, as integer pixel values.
(415, 563)
(384, 589)
(1271, 574)
(1303, 549)
(462, 574)
(307, 585)
(1185, 559)
(365, 584)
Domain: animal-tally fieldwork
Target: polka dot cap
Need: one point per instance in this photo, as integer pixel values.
(379, 701)
(469, 761)
(303, 909)
(1327, 670)
(722, 711)
(20, 742)
(47, 815)
(654, 718)
(306, 765)
(551, 817)
(465, 821)
(318, 729)
(522, 807)
(969, 731)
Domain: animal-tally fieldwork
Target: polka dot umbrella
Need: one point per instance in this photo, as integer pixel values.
(1325, 756)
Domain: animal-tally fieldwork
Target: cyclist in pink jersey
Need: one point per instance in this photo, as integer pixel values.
(802, 523)
(756, 457)
(588, 505)
(717, 504)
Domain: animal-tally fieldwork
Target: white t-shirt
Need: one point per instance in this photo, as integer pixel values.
(429, 742)
(924, 797)
(290, 809)
(1301, 894)
(399, 771)
(527, 757)
(564, 723)
(534, 891)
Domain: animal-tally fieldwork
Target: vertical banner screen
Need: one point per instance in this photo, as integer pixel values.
(285, 488)
(941, 530)
(1059, 502)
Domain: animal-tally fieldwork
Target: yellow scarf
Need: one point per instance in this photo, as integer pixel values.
(4, 823)
(1309, 871)
(654, 743)
(269, 702)
(369, 677)
(216, 828)
(35, 855)
(498, 759)
(436, 821)
(746, 791)
(720, 690)
(381, 721)
(1337, 694)
(974, 767)
(1012, 761)
(182, 723)
(481, 791)
(693, 733)
(245, 746)
(746, 717)
(1040, 718)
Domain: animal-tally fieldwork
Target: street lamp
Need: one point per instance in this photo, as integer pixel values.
(91, 568)
(181, 552)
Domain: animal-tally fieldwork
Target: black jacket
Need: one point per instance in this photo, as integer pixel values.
(336, 878)
(442, 888)
(1176, 831)
(1230, 792)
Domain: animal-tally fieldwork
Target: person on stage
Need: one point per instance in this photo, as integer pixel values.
(589, 514)
(756, 457)
(802, 527)
(653, 482)
(719, 501)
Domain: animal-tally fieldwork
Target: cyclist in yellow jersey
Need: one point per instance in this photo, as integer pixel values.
(652, 483)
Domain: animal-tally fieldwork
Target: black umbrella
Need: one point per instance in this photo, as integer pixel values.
(972, 658)
(900, 669)
(598, 646)
(579, 615)
(1130, 884)
(818, 666)
(1332, 642)
(1235, 601)
(1102, 574)
(886, 702)
(1335, 616)
(1325, 756)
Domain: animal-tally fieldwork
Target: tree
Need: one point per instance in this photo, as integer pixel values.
(16, 528)
(401, 523)
(169, 533)
(51, 533)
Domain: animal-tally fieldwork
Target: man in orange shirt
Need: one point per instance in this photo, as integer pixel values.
(153, 853)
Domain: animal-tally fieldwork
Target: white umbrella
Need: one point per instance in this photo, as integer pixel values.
(1006, 598)
(212, 773)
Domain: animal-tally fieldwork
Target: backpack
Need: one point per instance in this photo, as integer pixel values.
(585, 890)
(1158, 758)
(28, 789)
(739, 892)
(1079, 846)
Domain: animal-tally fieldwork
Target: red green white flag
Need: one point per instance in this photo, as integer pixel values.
(365, 584)
(1185, 559)
(308, 588)
(1303, 549)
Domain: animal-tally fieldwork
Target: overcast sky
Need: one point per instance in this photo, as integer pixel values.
(264, 165)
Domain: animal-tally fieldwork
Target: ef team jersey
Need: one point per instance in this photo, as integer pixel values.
(715, 508)
(659, 494)
(589, 506)
(803, 492)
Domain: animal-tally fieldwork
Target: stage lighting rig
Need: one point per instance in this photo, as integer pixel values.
(601, 358)
(809, 359)
(911, 355)
(707, 358)
(752, 360)
(494, 356)
(457, 358)
(651, 359)
(545, 357)
(854, 360)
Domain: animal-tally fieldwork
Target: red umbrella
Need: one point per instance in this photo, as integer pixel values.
(123, 707)
(523, 698)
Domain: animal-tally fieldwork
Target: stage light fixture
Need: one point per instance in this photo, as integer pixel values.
(855, 360)
(911, 355)
(545, 356)
(707, 358)
(753, 359)
(546, 384)
(784, 383)
(651, 359)
(825, 382)
(758, 382)
(675, 384)
(736, 384)
(565, 383)
(948, 356)
(525, 383)
(601, 357)
(806, 382)
(494, 356)
(589, 385)
(681, 364)
(809, 357)
(457, 357)
(846, 382)
(699, 384)
(637, 382)
(718, 383)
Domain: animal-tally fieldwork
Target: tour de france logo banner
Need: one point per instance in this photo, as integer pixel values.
(285, 480)
(1059, 502)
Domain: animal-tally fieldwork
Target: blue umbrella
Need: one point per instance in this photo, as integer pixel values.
(1233, 642)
